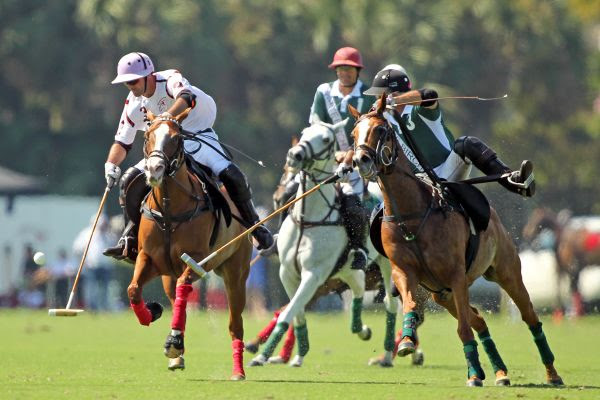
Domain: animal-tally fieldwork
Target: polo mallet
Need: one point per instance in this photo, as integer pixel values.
(478, 98)
(198, 266)
(68, 311)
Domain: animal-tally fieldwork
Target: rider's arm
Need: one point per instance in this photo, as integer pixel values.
(116, 154)
(421, 97)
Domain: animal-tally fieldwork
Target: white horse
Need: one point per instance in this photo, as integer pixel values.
(311, 242)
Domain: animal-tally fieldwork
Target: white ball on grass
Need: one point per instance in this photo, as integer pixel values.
(39, 258)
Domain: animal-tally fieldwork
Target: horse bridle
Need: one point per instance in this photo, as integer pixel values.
(311, 156)
(383, 156)
(172, 165)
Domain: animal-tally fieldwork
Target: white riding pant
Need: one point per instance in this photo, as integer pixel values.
(205, 155)
(454, 168)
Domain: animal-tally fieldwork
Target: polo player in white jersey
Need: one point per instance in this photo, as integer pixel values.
(167, 93)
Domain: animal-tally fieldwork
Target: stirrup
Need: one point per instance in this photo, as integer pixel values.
(117, 251)
(523, 180)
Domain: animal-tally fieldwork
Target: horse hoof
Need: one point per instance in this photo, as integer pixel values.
(176, 363)
(297, 361)
(277, 360)
(406, 348)
(474, 382)
(251, 346)
(366, 333)
(381, 361)
(238, 377)
(418, 358)
(174, 346)
(504, 381)
(257, 361)
(556, 381)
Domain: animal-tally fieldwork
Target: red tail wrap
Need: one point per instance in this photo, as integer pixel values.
(179, 314)
(142, 313)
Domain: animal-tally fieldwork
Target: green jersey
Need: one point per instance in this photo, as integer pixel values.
(431, 135)
(360, 101)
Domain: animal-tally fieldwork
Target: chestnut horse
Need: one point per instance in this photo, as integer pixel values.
(178, 218)
(426, 239)
(575, 246)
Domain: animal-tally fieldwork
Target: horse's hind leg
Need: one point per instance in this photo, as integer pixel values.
(511, 281)
(235, 274)
(478, 323)
(143, 272)
(391, 311)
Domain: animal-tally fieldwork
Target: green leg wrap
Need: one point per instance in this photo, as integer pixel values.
(541, 343)
(356, 324)
(409, 325)
(390, 327)
(301, 333)
(490, 348)
(274, 339)
(472, 356)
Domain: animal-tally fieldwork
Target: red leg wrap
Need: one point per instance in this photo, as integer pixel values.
(179, 314)
(288, 345)
(266, 332)
(238, 357)
(142, 313)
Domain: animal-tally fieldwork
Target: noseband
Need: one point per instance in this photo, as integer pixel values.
(384, 156)
(311, 156)
(172, 165)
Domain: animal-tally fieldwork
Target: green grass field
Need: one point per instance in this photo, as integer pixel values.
(112, 357)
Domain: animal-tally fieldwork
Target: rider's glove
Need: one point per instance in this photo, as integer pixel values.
(343, 169)
(112, 173)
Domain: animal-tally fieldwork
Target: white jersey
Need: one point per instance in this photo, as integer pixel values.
(169, 84)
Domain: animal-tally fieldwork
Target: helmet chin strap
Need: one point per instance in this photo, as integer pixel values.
(145, 84)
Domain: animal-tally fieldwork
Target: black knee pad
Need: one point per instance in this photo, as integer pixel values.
(474, 149)
(128, 176)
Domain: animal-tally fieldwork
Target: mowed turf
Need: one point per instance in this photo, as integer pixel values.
(110, 356)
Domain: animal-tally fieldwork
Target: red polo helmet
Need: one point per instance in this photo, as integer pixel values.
(347, 56)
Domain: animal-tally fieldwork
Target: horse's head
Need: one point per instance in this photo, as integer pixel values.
(163, 147)
(541, 218)
(315, 148)
(375, 146)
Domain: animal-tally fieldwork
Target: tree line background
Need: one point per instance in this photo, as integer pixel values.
(263, 59)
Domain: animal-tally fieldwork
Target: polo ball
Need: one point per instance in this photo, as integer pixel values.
(39, 258)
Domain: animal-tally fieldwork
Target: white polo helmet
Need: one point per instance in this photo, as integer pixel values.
(133, 66)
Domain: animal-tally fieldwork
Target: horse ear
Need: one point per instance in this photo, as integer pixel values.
(382, 104)
(150, 116)
(183, 115)
(353, 111)
(295, 140)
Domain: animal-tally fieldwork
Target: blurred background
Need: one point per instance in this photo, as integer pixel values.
(261, 61)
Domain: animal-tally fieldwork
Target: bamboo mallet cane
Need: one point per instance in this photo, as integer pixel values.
(198, 266)
(68, 311)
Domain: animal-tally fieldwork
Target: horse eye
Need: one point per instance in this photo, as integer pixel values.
(326, 139)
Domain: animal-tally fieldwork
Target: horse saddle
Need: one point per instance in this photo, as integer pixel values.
(473, 202)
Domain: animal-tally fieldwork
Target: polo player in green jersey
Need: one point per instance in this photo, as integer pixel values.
(450, 159)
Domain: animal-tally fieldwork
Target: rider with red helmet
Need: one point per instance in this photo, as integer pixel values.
(330, 105)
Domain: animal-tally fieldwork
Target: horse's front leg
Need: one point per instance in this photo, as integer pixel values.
(406, 282)
(174, 344)
(355, 278)
(143, 272)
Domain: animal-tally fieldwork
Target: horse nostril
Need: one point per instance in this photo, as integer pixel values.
(365, 159)
(298, 156)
